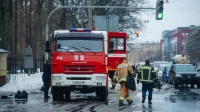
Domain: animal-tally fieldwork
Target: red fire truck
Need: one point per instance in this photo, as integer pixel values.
(119, 50)
(82, 59)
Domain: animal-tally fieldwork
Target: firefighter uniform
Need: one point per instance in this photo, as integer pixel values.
(121, 73)
(146, 75)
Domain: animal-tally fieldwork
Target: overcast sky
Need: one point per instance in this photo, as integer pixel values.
(177, 13)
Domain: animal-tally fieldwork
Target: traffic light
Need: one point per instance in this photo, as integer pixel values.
(159, 9)
(137, 33)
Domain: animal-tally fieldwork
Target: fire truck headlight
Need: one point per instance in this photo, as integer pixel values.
(101, 78)
(198, 75)
(56, 77)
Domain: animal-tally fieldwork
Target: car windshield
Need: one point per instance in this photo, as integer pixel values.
(158, 64)
(76, 44)
(185, 68)
(144, 64)
(141, 64)
(162, 68)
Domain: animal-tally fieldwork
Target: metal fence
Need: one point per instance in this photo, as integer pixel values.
(16, 69)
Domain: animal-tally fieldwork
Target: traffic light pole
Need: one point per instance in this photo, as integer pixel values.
(62, 7)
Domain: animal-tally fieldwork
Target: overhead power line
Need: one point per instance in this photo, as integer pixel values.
(183, 9)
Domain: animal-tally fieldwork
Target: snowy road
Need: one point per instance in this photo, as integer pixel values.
(167, 99)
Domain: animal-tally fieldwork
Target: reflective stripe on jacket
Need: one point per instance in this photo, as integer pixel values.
(146, 74)
(122, 72)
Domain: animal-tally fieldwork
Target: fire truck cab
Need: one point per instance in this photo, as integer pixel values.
(80, 62)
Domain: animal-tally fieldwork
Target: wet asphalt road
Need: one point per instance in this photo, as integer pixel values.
(167, 99)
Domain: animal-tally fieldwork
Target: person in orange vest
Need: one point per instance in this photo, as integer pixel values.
(121, 73)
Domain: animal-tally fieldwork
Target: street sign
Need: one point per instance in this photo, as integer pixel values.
(106, 23)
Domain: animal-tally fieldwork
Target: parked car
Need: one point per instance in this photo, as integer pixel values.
(156, 64)
(184, 74)
(138, 65)
(160, 72)
(198, 66)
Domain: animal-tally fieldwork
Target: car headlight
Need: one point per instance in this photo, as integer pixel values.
(101, 78)
(178, 75)
(56, 77)
(197, 75)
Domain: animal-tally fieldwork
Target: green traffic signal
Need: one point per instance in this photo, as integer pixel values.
(159, 9)
(160, 15)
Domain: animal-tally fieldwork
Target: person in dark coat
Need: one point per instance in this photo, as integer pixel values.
(46, 77)
(42, 88)
(146, 75)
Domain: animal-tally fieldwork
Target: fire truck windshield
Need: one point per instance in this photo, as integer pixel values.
(79, 45)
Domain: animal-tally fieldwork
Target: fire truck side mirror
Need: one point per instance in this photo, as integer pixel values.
(111, 47)
(110, 51)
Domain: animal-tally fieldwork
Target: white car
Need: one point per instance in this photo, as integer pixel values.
(138, 65)
(160, 72)
(158, 63)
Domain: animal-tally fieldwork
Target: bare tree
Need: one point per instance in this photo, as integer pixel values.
(16, 27)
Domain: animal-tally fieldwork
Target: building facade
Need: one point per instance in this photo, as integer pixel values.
(165, 45)
(178, 40)
(193, 44)
(145, 50)
(175, 42)
(151, 50)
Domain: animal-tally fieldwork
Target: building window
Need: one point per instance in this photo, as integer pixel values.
(187, 33)
(183, 33)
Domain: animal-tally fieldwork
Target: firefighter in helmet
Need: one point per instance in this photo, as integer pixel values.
(121, 73)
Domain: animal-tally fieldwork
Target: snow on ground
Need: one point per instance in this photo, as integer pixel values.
(34, 82)
(28, 83)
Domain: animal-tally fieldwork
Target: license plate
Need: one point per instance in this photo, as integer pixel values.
(78, 86)
(79, 82)
(58, 84)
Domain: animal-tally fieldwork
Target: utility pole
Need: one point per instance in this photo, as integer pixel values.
(30, 22)
(16, 27)
(29, 47)
(15, 37)
(90, 14)
(81, 16)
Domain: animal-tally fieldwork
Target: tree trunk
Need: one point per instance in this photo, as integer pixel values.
(15, 27)
(2, 23)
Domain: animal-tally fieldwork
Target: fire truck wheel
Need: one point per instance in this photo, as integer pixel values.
(198, 85)
(55, 94)
(104, 93)
(67, 95)
(98, 93)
